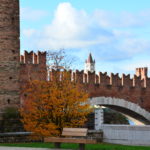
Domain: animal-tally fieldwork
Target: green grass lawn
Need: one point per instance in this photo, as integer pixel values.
(103, 146)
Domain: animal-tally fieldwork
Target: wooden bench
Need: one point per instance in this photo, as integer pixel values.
(72, 135)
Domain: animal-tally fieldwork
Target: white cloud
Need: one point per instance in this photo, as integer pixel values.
(68, 23)
(70, 28)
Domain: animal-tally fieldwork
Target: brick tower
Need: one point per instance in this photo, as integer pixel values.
(9, 53)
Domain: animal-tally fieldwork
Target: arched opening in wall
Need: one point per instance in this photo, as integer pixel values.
(133, 112)
(112, 116)
(133, 117)
(119, 115)
(106, 116)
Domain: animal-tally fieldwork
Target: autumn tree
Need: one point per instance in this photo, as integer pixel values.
(51, 105)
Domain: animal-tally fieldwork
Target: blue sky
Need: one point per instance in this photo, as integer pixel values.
(116, 32)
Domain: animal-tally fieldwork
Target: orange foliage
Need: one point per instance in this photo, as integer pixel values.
(51, 105)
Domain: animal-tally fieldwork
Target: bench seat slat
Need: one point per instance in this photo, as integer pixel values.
(65, 133)
(70, 140)
(75, 129)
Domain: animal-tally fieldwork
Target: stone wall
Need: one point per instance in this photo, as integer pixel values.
(126, 134)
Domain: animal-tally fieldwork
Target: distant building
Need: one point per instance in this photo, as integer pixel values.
(89, 64)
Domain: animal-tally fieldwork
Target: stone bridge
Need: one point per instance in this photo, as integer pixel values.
(128, 96)
(127, 108)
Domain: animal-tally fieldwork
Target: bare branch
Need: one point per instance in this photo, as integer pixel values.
(59, 60)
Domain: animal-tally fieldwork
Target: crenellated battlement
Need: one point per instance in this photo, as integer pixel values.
(126, 81)
(135, 89)
(78, 76)
(115, 80)
(35, 63)
(33, 66)
(103, 79)
(33, 58)
(137, 82)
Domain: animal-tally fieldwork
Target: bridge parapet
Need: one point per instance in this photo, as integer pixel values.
(79, 76)
(115, 80)
(91, 78)
(126, 80)
(137, 82)
(135, 90)
(104, 79)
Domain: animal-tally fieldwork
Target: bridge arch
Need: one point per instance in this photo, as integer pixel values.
(123, 106)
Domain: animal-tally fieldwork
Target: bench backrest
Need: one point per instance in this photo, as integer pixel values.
(74, 132)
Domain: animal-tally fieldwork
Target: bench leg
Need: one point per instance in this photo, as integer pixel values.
(82, 146)
(57, 145)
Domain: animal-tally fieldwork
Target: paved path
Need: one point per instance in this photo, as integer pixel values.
(26, 148)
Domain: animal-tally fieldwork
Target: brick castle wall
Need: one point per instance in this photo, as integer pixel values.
(33, 66)
(136, 90)
(9, 52)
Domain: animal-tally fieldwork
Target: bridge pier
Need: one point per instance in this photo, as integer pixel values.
(99, 118)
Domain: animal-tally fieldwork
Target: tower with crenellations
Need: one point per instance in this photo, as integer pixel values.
(9, 53)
